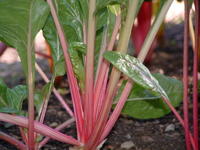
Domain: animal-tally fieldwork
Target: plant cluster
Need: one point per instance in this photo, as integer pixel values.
(89, 42)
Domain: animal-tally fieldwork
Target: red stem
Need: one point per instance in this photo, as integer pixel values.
(117, 110)
(141, 29)
(56, 93)
(43, 55)
(101, 98)
(23, 135)
(63, 103)
(31, 109)
(102, 119)
(2, 48)
(185, 76)
(101, 52)
(60, 127)
(39, 128)
(107, 101)
(103, 74)
(179, 119)
(120, 105)
(12, 141)
(75, 93)
(195, 74)
(88, 102)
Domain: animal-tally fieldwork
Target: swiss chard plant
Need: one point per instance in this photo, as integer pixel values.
(89, 42)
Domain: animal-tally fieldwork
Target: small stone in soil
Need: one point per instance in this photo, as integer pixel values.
(128, 136)
(173, 135)
(127, 145)
(54, 124)
(170, 127)
(137, 124)
(147, 139)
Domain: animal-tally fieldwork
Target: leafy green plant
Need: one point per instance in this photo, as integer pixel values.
(145, 104)
(12, 99)
(82, 35)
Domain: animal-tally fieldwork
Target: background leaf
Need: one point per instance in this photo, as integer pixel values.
(3, 96)
(144, 104)
(11, 100)
(20, 21)
(16, 96)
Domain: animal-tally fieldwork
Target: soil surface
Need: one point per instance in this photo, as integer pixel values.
(158, 134)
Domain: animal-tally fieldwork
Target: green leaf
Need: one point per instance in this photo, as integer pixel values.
(135, 70)
(144, 104)
(11, 100)
(8, 110)
(2, 83)
(115, 9)
(79, 46)
(38, 100)
(3, 96)
(84, 9)
(137, 93)
(16, 96)
(105, 23)
(77, 62)
(72, 16)
(56, 50)
(20, 21)
(101, 4)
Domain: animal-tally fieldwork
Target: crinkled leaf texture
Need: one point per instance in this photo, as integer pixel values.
(11, 100)
(135, 70)
(20, 21)
(144, 104)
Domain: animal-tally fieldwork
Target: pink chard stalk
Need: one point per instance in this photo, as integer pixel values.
(195, 73)
(195, 137)
(185, 75)
(91, 116)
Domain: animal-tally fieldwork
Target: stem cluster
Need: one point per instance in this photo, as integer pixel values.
(92, 107)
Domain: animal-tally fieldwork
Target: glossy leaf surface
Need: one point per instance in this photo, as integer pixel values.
(135, 70)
